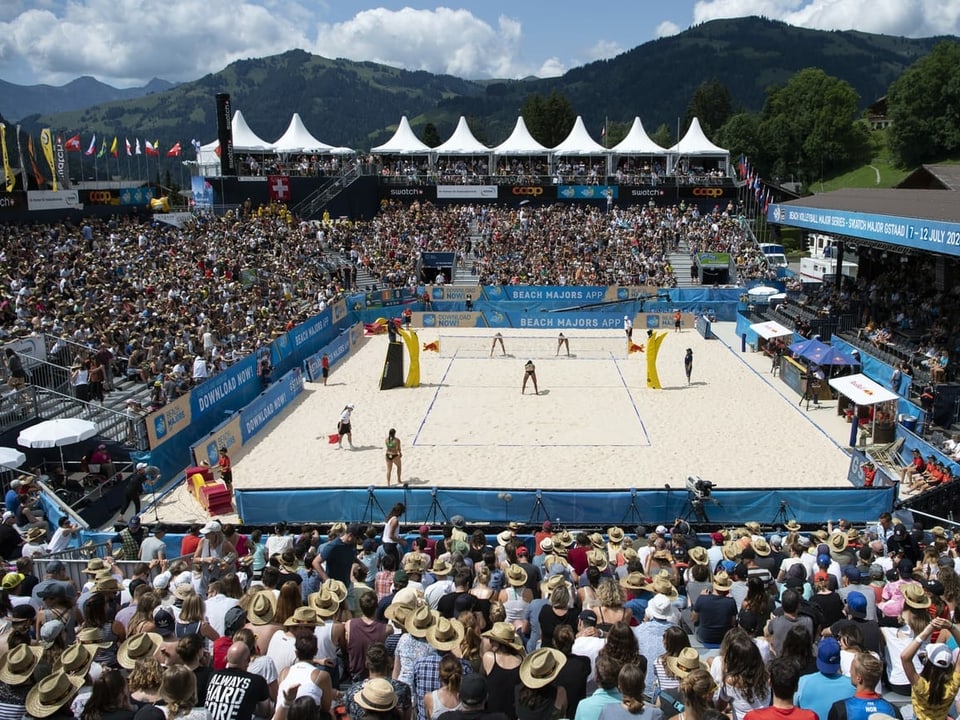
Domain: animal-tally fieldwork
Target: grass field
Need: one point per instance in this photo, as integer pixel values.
(878, 174)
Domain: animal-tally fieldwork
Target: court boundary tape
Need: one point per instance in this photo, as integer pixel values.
(433, 400)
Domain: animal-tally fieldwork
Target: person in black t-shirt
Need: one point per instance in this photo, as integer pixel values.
(235, 694)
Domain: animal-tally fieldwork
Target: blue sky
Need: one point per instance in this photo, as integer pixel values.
(127, 42)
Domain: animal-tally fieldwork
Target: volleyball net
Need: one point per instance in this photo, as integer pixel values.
(534, 346)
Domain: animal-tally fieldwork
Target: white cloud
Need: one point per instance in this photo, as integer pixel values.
(911, 18)
(603, 49)
(552, 67)
(666, 29)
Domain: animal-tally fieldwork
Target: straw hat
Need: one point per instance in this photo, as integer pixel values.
(914, 596)
(792, 526)
(441, 568)
(505, 634)
(597, 559)
(51, 694)
(722, 582)
(137, 647)
(290, 567)
(662, 585)
(336, 588)
(546, 545)
(615, 535)
(34, 534)
(820, 535)
(110, 584)
(596, 539)
(94, 565)
(92, 637)
(504, 537)
(731, 550)
(938, 531)
(761, 547)
(324, 603)
(415, 564)
(88, 549)
(376, 695)
(753, 526)
(563, 538)
(516, 576)
(541, 667)
(838, 542)
(262, 608)
(419, 621)
(77, 659)
(404, 602)
(20, 664)
(445, 634)
(553, 582)
(634, 581)
(699, 555)
(184, 590)
(685, 662)
(303, 617)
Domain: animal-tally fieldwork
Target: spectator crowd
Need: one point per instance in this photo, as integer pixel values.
(746, 622)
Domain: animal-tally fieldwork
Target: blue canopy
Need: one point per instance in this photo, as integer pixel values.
(819, 352)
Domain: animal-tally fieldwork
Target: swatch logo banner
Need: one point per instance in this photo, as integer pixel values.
(533, 191)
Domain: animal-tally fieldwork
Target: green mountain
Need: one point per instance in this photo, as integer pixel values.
(359, 103)
(20, 101)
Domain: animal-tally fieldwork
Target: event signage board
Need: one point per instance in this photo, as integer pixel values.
(226, 390)
(305, 333)
(270, 403)
(336, 350)
(713, 260)
(453, 293)
(53, 200)
(448, 319)
(546, 292)
(13, 202)
(227, 435)
(408, 193)
(587, 192)
(437, 259)
(137, 196)
(640, 193)
(467, 192)
(707, 192)
(100, 197)
(916, 233)
(168, 421)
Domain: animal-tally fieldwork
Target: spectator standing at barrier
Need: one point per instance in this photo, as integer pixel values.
(498, 338)
(394, 455)
(530, 373)
(325, 367)
(688, 364)
(677, 321)
(563, 342)
(344, 426)
(226, 469)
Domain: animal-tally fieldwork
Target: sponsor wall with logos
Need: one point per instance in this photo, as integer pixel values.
(345, 344)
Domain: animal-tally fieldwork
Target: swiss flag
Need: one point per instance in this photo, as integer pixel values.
(175, 150)
(72, 144)
(279, 188)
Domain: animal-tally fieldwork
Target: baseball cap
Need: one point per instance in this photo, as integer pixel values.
(588, 617)
(400, 578)
(473, 689)
(141, 466)
(134, 522)
(661, 530)
(933, 586)
(828, 656)
(369, 545)
(7, 515)
(905, 567)
(857, 604)
(522, 550)
(547, 525)
(876, 571)
(851, 573)
(823, 560)
(161, 581)
(939, 655)
(717, 537)
(55, 567)
(163, 621)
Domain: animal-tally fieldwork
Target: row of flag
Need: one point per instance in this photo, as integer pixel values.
(152, 149)
(751, 178)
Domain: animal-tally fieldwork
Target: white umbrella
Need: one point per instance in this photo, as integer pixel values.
(11, 458)
(57, 433)
(762, 291)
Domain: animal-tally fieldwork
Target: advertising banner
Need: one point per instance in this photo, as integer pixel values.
(528, 192)
(707, 192)
(168, 421)
(53, 200)
(201, 192)
(227, 435)
(408, 193)
(448, 319)
(305, 333)
(556, 321)
(356, 336)
(641, 193)
(587, 192)
(226, 391)
(338, 311)
(13, 202)
(437, 259)
(663, 321)
(270, 403)
(137, 196)
(713, 260)
(467, 192)
(390, 296)
(100, 197)
(452, 293)
(546, 292)
(336, 351)
(930, 235)
(631, 292)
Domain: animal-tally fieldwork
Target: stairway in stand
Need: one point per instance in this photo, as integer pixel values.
(681, 263)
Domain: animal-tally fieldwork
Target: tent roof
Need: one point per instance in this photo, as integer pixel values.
(694, 142)
(462, 142)
(637, 142)
(246, 139)
(403, 142)
(298, 139)
(520, 142)
(820, 353)
(579, 142)
(862, 390)
(770, 329)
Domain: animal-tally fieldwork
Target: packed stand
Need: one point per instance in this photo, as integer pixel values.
(364, 622)
(165, 306)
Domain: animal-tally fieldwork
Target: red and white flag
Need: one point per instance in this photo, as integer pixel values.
(129, 147)
(151, 148)
(278, 188)
(73, 144)
(93, 146)
(174, 151)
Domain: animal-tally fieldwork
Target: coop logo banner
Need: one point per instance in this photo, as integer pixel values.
(270, 404)
(448, 319)
(587, 192)
(226, 436)
(466, 192)
(168, 421)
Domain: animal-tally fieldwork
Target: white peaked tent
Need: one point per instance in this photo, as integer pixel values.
(579, 142)
(403, 142)
(245, 139)
(637, 142)
(695, 144)
(462, 142)
(298, 139)
(520, 142)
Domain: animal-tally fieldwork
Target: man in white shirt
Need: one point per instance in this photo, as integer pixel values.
(200, 372)
(154, 547)
(217, 606)
(62, 535)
